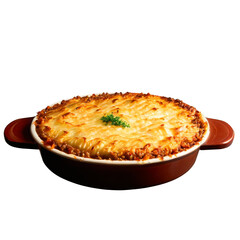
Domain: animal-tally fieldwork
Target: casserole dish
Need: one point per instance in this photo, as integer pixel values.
(117, 174)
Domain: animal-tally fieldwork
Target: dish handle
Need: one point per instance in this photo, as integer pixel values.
(221, 135)
(17, 134)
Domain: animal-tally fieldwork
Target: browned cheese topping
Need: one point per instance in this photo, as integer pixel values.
(156, 126)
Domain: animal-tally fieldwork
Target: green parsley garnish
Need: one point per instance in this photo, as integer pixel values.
(115, 120)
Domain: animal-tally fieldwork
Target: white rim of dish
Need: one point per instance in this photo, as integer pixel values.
(117, 162)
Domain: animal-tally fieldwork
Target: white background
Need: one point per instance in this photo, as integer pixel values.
(54, 50)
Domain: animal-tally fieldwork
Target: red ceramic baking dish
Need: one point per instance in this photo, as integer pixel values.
(107, 174)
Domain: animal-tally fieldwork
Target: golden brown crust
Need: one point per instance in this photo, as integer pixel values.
(159, 126)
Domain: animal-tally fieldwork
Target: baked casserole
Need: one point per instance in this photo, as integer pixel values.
(121, 126)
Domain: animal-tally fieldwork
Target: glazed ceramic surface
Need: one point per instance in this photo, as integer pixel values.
(111, 174)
